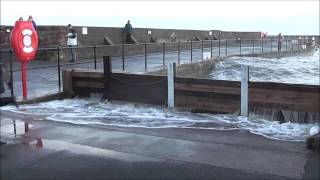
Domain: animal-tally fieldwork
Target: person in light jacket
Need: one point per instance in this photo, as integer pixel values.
(72, 42)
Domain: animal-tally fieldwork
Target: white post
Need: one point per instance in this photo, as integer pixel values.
(244, 90)
(170, 86)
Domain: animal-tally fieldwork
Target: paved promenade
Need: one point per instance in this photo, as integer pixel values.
(55, 150)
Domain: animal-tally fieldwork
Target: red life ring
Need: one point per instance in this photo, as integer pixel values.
(24, 41)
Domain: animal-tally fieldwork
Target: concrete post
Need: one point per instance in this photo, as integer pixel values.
(244, 90)
(171, 75)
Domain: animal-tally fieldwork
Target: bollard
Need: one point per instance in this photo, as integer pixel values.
(171, 75)
(244, 90)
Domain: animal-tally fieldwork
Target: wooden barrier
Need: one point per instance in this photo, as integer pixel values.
(123, 87)
(207, 95)
(194, 94)
(224, 96)
(292, 97)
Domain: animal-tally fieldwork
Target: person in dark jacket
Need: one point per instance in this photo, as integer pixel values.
(33, 23)
(128, 31)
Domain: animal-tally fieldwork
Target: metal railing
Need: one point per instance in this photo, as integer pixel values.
(150, 53)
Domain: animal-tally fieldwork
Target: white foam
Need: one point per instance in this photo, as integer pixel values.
(92, 111)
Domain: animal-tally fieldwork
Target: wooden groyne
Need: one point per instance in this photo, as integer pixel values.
(194, 94)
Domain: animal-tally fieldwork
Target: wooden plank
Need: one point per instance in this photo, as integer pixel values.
(295, 99)
(139, 88)
(283, 106)
(141, 78)
(91, 74)
(94, 79)
(85, 91)
(212, 104)
(287, 87)
(195, 81)
(207, 88)
(98, 85)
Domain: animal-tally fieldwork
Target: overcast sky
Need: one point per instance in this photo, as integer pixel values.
(288, 17)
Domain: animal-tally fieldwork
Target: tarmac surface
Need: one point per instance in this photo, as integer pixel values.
(56, 150)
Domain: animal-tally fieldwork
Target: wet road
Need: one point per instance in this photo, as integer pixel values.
(56, 150)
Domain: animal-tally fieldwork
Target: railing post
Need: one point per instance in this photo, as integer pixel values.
(107, 74)
(191, 51)
(253, 46)
(59, 78)
(95, 56)
(211, 48)
(11, 73)
(240, 47)
(14, 128)
(271, 44)
(226, 47)
(145, 57)
(244, 90)
(286, 44)
(122, 57)
(171, 76)
(219, 47)
(179, 52)
(201, 49)
(262, 47)
(163, 54)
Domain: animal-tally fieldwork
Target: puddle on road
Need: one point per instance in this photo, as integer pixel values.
(78, 149)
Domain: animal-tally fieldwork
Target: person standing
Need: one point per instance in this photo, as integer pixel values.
(72, 42)
(128, 31)
(33, 23)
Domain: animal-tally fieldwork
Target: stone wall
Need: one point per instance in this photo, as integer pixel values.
(54, 35)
